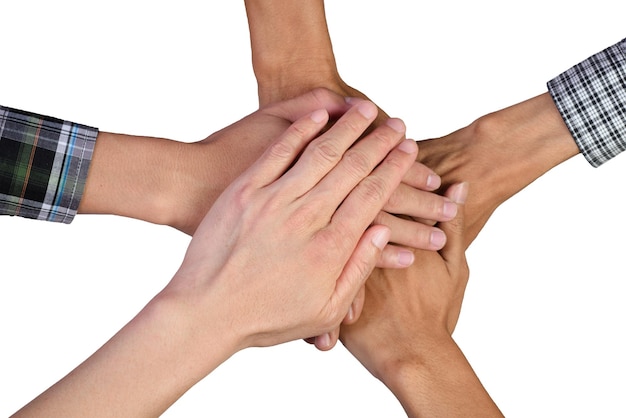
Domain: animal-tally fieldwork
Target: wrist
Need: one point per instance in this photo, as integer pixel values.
(439, 381)
(156, 180)
(413, 362)
(200, 323)
(499, 154)
(291, 47)
(281, 79)
(525, 141)
(127, 177)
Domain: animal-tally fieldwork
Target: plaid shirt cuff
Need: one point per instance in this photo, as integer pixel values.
(43, 165)
(591, 98)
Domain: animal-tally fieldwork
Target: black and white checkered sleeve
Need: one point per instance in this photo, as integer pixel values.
(591, 97)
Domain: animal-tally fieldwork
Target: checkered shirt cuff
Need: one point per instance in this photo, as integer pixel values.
(591, 97)
(43, 165)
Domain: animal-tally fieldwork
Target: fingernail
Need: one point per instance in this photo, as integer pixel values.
(368, 109)
(437, 239)
(319, 116)
(433, 181)
(408, 146)
(324, 340)
(449, 210)
(396, 124)
(405, 258)
(381, 238)
(460, 193)
(352, 100)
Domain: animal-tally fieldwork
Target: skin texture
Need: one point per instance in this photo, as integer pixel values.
(404, 336)
(173, 183)
(497, 156)
(264, 244)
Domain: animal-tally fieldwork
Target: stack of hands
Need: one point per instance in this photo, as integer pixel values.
(321, 221)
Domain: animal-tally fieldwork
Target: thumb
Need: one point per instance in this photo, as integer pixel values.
(358, 268)
(320, 98)
(454, 250)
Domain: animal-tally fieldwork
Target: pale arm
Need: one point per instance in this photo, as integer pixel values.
(281, 215)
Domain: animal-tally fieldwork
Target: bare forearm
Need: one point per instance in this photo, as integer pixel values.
(291, 47)
(119, 182)
(439, 382)
(500, 154)
(156, 180)
(141, 371)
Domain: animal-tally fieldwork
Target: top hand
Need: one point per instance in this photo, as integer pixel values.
(279, 256)
(175, 183)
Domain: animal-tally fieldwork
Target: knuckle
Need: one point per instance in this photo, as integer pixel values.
(386, 136)
(322, 94)
(420, 238)
(326, 152)
(396, 161)
(354, 125)
(396, 200)
(382, 218)
(299, 129)
(304, 218)
(455, 227)
(374, 190)
(431, 205)
(281, 149)
(241, 196)
(358, 162)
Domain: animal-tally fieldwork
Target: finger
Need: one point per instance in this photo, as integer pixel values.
(411, 201)
(319, 98)
(356, 307)
(358, 162)
(411, 233)
(362, 205)
(323, 154)
(422, 177)
(454, 251)
(281, 154)
(358, 268)
(327, 340)
(395, 257)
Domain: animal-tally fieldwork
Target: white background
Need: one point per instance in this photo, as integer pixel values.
(542, 322)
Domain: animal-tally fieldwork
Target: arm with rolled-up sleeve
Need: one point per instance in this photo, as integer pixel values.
(591, 97)
(43, 165)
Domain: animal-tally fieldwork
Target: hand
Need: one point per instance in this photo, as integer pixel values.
(402, 305)
(173, 183)
(403, 336)
(279, 256)
(499, 154)
(281, 245)
(292, 54)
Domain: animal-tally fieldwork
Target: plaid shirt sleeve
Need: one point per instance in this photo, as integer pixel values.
(591, 97)
(43, 165)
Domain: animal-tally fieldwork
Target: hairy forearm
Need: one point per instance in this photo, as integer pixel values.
(500, 154)
(439, 382)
